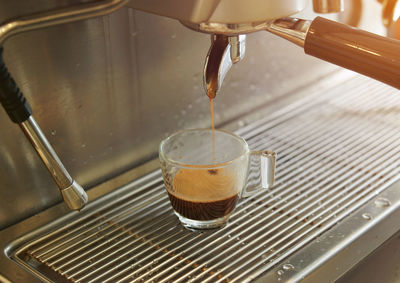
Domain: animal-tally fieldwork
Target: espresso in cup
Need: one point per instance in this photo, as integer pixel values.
(204, 194)
(205, 185)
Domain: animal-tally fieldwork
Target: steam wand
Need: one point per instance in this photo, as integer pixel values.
(20, 113)
(16, 105)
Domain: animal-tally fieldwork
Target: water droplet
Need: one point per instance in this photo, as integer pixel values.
(280, 272)
(240, 123)
(53, 132)
(83, 145)
(367, 216)
(173, 36)
(288, 266)
(382, 202)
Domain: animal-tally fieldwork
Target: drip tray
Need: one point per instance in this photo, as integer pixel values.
(333, 203)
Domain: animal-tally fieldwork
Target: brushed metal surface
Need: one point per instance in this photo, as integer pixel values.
(106, 91)
(338, 162)
(34, 134)
(73, 13)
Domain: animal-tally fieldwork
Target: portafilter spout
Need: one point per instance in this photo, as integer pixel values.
(224, 51)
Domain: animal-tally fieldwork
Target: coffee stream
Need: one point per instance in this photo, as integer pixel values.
(204, 194)
(212, 130)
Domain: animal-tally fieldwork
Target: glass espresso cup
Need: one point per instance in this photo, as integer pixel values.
(205, 173)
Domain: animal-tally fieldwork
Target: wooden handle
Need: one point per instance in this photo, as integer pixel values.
(363, 52)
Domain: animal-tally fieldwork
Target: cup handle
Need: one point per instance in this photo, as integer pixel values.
(261, 173)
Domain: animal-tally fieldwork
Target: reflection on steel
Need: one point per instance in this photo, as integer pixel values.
(73, 14)
(292, 29)
(328, 6)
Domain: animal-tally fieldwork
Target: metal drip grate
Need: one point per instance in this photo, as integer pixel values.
(336, 150)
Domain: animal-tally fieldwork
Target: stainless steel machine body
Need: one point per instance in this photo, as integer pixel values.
(96, 86)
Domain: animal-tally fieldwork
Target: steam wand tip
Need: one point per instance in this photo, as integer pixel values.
(75, 196)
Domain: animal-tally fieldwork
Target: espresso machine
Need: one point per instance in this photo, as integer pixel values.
(228, 23)
(101, 77)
